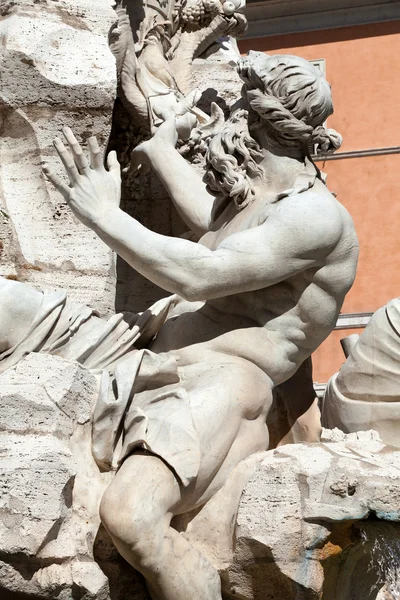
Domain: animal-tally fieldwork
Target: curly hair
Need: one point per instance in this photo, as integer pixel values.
(292, 97)
(286, 95)
(232, 158)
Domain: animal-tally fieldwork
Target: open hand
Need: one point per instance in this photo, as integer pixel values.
(93, 191)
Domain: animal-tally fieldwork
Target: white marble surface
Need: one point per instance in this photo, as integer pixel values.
(365, 394)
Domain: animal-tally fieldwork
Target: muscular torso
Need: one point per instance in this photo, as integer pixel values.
(276, 327)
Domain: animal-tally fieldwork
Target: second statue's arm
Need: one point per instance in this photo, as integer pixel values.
(184, 185)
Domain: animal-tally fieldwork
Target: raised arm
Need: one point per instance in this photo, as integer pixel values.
(297, 236)
(253, 259)
(182, 182)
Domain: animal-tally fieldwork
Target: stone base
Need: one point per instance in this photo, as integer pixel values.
(51, 542)
(303, 522)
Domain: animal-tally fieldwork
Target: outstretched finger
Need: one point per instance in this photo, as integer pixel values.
(58, 183)
(67, 160)
(112, 163)
(96, 156)
(80, 159)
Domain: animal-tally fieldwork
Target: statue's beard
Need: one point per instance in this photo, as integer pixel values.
(232, 160)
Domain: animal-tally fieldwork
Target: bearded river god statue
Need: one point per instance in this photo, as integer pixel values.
(189, 382)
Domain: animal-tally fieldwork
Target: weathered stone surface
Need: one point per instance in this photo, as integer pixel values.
(308, 514)
(49, 485)
(56, 69)
(51, 542)
(36, 471)
(293, 510)
(48, 400)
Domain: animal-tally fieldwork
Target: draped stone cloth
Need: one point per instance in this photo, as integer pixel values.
(158, 419)
(372, 371)
(161, 421)
(365, 394)
(75, 332)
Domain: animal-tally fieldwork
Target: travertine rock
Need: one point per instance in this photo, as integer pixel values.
(51, 543)
(49, 484)
(56, 69)
(35, 471)
(304, 521)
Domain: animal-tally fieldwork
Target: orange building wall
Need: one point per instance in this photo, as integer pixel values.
(363, 68)
(370, 190)
(329, 357)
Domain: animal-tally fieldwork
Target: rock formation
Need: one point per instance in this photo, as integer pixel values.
(56, 70)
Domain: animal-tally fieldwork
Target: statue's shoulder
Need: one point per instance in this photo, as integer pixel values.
(314, 219)
(314, 204)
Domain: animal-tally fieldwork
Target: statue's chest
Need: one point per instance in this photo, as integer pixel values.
(235, 222)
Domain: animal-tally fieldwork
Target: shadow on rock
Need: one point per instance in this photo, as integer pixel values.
(260, 578)
(125, 583)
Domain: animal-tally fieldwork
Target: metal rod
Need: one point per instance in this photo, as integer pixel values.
(358, 154)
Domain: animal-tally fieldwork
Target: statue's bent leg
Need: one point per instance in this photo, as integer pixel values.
(136, 510)
(229, 400)
(229, 406)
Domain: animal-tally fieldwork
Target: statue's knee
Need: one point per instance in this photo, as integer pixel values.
(113, 512)
(128, 522)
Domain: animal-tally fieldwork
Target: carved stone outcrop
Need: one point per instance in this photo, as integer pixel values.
(314, 521)
(50, 488)
(56, 69)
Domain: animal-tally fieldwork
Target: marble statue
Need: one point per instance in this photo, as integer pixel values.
(189, 382)
(365, 394)
(155, 43)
